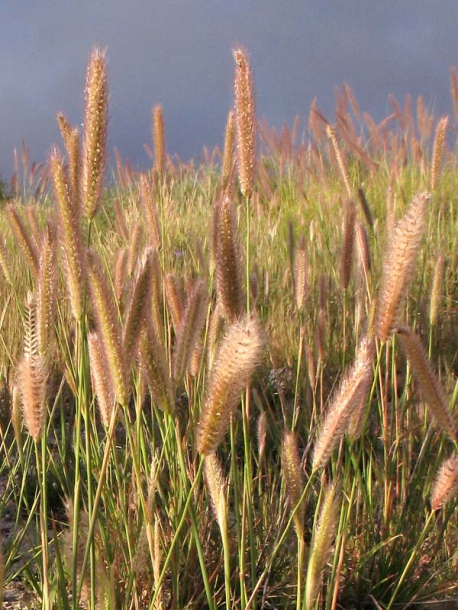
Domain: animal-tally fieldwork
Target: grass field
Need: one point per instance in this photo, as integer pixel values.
(233, 384)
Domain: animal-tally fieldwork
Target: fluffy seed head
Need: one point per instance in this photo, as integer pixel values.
(109, 328)
(429, 384)
(245, 122)
(154, 365)
(239, 355)
(438, 151)
(32, 375)
(436, 290)
(150, 211)
(95, 131)
(300, 274)
(352, 390)
(159, 138)
(216, 484)
(322, 541)
(446, 483)
(229, 147)
(191, 325)
(229, 268)
(348, 243)
(399, 264)
(101, 379)
(138, 307)
(23, 238)
(69, 234)
(294, 480)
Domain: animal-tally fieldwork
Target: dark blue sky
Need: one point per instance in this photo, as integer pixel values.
(178, 53)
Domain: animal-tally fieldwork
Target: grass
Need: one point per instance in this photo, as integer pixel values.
(225, 397)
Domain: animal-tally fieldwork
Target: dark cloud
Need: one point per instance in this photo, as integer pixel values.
(178, 52)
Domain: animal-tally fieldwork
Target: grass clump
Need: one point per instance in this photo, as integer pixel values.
(233, 393)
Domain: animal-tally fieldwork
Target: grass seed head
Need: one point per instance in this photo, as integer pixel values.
(294, 480)
(446, 483)
(229, 269)
(399, 264)
(346, 400)
(245, 122)
(95, 131)
(239, 355)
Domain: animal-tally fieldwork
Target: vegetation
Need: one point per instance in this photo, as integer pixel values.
(233, 386)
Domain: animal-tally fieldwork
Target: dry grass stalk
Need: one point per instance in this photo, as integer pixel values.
(109, 328)
(69, 235)
(32, 375)
(446, 483)
(353, 389)
(294, 479)
(95, 131)
(229, 148)
(150, 211)
(399, 263)
(239, 355)
(23, 239)
(138, 308)
(229, 268)
(322, 540)
(216, 484)
(330, 132)
(348, 243)
(428, 382)
(436, 290)
(101, 380)
(438, 151)
(300, 274)
(245, 122)
(154, 365)
(159, 139)
(190, 328)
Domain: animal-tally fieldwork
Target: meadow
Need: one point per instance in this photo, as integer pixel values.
(232, 383)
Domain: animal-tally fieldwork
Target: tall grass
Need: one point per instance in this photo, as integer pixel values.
(234, 393)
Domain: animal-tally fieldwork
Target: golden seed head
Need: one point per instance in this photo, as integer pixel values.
(446, 483)
(239, 355)
(354, 388)
(229, 267)
(294, 480)
(245, 122)
(429, 384)
(159, 138)
(95, 131)
(399, 265)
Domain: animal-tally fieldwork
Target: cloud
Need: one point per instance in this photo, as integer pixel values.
(178, 52)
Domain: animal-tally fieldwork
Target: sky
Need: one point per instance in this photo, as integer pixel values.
(179, 53)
